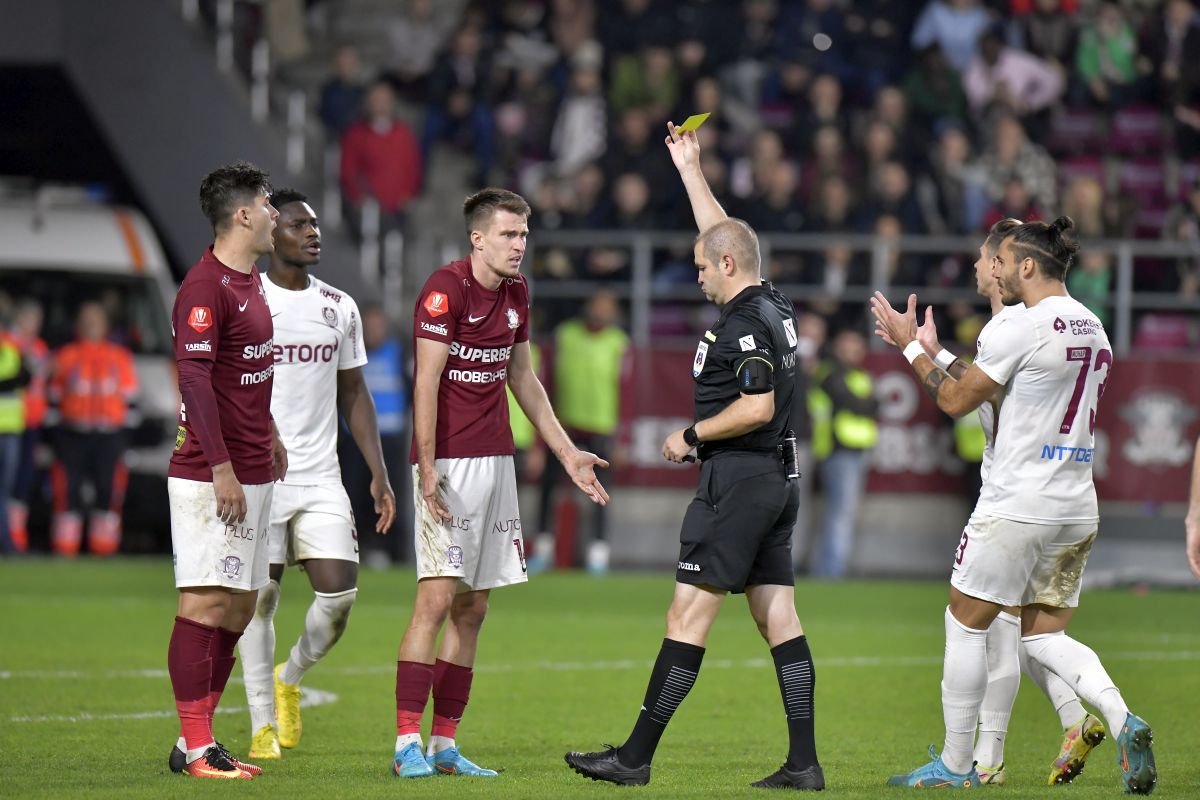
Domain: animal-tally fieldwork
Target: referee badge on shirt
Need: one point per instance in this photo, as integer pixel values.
(698, 363)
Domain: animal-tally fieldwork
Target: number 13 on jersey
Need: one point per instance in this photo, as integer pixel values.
(1104, 358)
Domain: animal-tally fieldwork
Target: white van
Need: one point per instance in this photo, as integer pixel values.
(61, 248)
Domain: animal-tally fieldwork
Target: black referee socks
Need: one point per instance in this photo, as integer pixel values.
(672, 678)
(797, 679)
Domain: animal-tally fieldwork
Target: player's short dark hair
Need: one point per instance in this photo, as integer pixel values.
(1052, 246)
(230, 187)
(281, 197)
(735, 237)
(479, 208)
(995, 234)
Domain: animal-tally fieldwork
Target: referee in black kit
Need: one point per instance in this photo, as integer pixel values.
(737, 530)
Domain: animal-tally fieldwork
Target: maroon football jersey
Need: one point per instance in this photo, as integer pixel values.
(221, 315)
(481, 327)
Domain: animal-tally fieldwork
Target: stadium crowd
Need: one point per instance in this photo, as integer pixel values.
(885, 117)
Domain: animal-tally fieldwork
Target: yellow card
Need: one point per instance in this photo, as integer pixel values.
(693, 122)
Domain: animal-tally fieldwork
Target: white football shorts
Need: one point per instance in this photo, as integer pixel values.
(481, 544)
(1020, 563)
(312, 522)
(206, 551)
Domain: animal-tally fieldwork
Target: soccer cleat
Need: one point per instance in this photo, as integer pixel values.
(178, 759)
(287, 712)
(1078, 741)
(1135, 757)
(410, 763)
(606, 766)
(934, 775)
(992, 776)
(265, 744)
(452, 762)
(253, 770)
(811, 779)
(215, 764)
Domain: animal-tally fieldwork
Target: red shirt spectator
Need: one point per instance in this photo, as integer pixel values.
(380, 156)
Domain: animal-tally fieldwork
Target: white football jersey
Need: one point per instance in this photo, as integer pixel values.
(987, 412)
(1053, 361)
(317, 333)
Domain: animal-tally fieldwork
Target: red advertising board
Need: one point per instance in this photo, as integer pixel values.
(1145, 429)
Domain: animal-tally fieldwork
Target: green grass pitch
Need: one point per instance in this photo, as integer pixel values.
(86, 709)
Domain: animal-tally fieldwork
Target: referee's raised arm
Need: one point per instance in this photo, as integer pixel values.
(685, 152)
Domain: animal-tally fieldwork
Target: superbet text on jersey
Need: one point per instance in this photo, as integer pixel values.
(221, 315)
(481, 327)
(317, 333)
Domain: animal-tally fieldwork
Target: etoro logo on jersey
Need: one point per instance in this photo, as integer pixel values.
(436, 304)
(200, 318)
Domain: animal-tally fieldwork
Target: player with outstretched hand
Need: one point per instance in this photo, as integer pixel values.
(319, 356)
(227, 458)
(471, 327)
(1028, 539)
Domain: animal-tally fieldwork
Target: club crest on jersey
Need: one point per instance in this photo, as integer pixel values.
(454, 555)
(698, 361)
(330, 316)
(513, 320)
(200, 318)
(231, 566)
(436, 304)
(224, 280)
(1059, 325)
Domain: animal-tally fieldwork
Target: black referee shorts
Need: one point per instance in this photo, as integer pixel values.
(737, 531)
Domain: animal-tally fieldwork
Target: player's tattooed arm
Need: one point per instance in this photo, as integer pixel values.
(958, 369)
(933, 382)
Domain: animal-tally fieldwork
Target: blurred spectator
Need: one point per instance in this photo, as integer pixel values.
(584, 204)
(1105, 59)
(342, 95)
(380, 160)
(756, 46)
(633, 24)
(1090, 282)
(829, 159)
(879, 148)
(891, 108)
(589, 357)
(1083, 201)
(572, 24)
(891, 194)
(634, 150)
(1012, 155)
(580, 132)
(1014, 202)
(415, 35)
(810, 338)
(900, 268)
(644, 80)
(1183, 225)
(775, 208)
(631, 204)
(93, 385)
(750, 173)
(284, 29)
(785, 89)
(13, 378)
(1048, 32)
(1169, 49)
(955, 26)
(830, 210)
(879, 32)
(934, 90)
(950, 194)
(386, 376)
(800, 23)
(824, 108)
(35, 355)
(843, 409)
(461, 101)
(1009, 79)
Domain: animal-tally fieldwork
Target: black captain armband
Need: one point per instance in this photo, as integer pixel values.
(755, 375)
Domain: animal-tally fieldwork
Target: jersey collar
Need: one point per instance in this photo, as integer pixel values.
(745, 294)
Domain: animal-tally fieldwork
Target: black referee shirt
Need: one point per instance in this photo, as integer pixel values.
(757, 323)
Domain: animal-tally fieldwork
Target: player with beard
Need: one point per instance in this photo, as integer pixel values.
(319, 356)
(1028, 539)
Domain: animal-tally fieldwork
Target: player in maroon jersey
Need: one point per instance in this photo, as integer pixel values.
(227, 457)
(471, 327)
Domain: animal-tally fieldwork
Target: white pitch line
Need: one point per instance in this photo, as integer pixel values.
(308, 698)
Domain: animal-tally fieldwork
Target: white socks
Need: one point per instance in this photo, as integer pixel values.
(404, 740)
(1079, 666)
(257, 649)
(964, 681)
(1061, 696)
(323, 626)
(438, 743)
(1003, 680)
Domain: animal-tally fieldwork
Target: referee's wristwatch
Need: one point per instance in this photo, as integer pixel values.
(689, 436)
